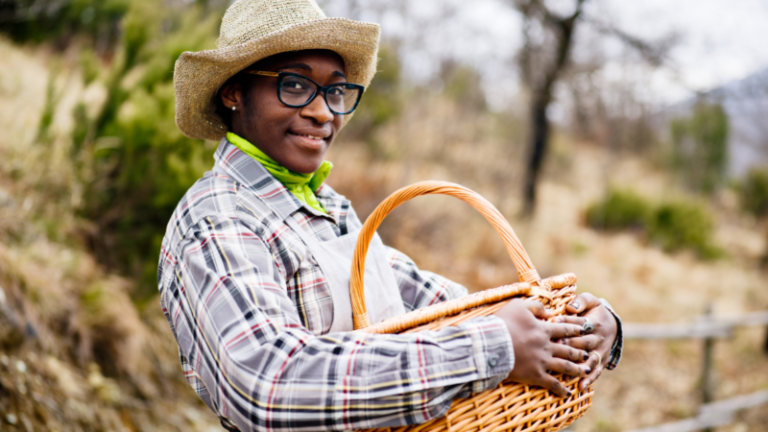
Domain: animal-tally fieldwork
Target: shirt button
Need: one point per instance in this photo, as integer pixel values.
(493, 360)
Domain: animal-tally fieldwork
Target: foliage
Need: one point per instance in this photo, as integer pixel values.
(51, 99)
(674, 225)
(134, 163)
(753, 192)
(41, 20)
(700, 145)
(683, 225)
(382, 100)
(621, 209)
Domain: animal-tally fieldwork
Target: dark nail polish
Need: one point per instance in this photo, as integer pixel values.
(574, 305)
(585, 357)
(589, 371)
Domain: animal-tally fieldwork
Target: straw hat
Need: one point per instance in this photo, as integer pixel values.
(255, 29)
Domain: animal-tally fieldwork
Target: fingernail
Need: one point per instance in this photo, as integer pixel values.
(574, 305)
(589, 370)
(585, 357)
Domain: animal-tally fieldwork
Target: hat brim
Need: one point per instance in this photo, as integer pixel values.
(199, 75)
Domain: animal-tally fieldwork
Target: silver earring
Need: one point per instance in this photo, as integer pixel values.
(234, 108)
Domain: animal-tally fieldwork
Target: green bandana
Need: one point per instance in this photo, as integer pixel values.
(303, 186)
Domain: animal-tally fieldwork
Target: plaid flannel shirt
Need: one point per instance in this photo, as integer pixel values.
(251, 312)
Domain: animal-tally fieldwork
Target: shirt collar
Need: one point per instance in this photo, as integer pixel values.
(251, 174)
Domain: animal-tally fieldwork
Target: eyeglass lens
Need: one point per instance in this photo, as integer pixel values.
(297, 91)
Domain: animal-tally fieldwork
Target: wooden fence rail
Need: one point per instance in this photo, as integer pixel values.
(704, 328)
(711, 414)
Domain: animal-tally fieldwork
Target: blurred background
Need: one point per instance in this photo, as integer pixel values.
(626, 142)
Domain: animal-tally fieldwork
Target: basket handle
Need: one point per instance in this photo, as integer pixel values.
(525, 270)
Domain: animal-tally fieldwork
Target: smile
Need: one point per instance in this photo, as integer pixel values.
(319, 138)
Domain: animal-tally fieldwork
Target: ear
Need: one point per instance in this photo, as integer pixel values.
(232, 95)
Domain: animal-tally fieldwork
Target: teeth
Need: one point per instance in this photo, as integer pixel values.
(311, 136)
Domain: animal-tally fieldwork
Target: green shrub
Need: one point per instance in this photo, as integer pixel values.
(621, 209)
(675, 225)
(753, 192)
(683, 225)
(60, 20)
(131, 158)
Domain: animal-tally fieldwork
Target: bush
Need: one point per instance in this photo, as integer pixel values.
(61, 20)
(683, 225)
(674, 225)
(753, 192)
(621, 209)
(131, 158)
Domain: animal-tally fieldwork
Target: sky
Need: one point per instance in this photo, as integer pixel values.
(718, 40)
(721, 40)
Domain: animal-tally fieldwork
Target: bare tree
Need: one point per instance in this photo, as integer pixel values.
(548, 41)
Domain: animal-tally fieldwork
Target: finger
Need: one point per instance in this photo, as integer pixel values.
(557, 331)
(582, 303)
(570, 320)
(569, 353)
(586, 343)
(568, 368)
(552, 384)
(538, 310)
(591, 378)
(594, 360)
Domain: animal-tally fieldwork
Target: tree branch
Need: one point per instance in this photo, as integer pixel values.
(656, 53)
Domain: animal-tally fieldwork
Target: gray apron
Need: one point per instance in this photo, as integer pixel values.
(382, 296)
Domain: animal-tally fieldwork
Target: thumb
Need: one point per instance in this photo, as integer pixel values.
(538, 310)
(582, 303)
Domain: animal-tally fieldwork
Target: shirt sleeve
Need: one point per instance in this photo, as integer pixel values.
(618, 344)
(259, 368)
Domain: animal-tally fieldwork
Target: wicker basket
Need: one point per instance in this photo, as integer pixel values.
(510, 406)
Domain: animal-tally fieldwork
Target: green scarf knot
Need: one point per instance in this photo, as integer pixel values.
(302, 186)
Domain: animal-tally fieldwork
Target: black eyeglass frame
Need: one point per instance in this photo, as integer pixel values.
(318, 89)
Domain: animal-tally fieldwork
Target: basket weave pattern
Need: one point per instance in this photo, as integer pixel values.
(510, 406)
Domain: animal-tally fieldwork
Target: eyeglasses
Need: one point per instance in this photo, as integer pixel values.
(299, 91)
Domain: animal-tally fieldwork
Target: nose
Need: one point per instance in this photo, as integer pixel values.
(318, 110)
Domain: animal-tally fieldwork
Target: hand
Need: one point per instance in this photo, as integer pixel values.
(601, 339)
(535, 351)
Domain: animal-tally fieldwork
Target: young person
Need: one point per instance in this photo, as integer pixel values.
(254, 267)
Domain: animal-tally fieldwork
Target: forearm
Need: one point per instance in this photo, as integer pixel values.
(354, 380)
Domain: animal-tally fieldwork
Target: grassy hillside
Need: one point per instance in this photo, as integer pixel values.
(78, 354)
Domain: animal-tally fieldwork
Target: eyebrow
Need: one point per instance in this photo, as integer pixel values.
(306, 67)
(302, 66)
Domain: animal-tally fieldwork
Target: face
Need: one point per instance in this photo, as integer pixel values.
(297, 138)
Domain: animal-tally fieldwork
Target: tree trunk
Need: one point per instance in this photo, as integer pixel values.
(538, 148)
(542, 90)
